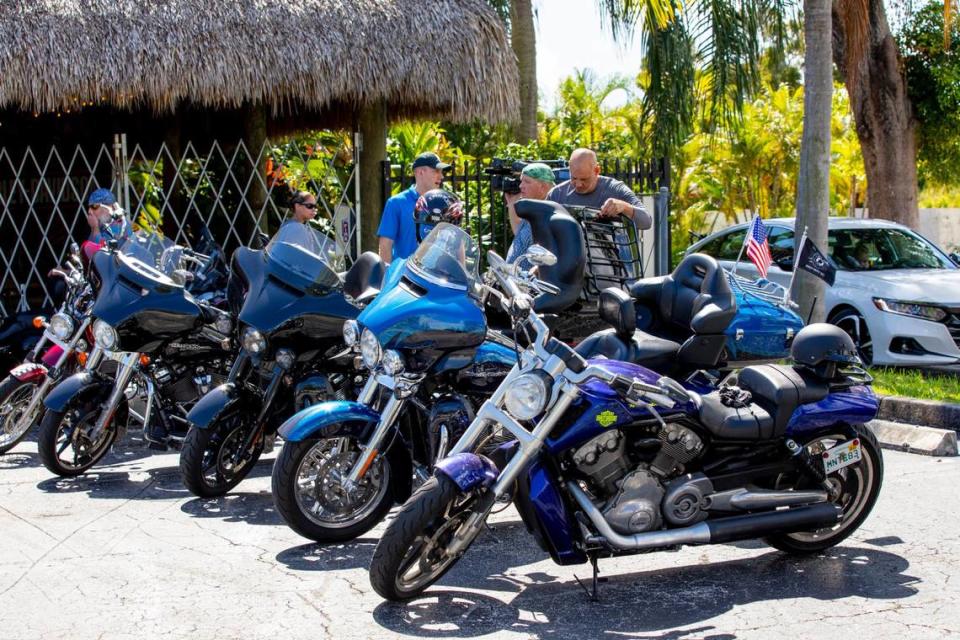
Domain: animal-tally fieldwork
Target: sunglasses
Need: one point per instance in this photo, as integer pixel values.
(308, 205)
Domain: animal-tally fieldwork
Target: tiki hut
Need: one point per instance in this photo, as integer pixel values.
(175, 70)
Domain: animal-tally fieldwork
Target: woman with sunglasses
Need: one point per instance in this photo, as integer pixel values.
(304, 206)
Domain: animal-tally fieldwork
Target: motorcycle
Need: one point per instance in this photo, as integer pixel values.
(612, 459)
(23, 390)
(432, 360)
(168, 348)
(291, 306)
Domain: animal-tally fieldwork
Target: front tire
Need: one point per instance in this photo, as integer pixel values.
(206, 458)
(859, 485)
(412, 553)
(63, 442)
(309, 494)
(15, 395)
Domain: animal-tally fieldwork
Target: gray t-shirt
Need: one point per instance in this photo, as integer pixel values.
(564, 194)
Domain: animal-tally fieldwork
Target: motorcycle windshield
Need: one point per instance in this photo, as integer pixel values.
(301, 256)
(447, 257)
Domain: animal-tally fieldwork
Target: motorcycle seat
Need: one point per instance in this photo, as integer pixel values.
(363, 280)
(750, 422)
(780, 389)
(624, 341)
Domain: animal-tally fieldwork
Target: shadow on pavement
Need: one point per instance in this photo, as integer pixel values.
(631, 604)
(236, 506)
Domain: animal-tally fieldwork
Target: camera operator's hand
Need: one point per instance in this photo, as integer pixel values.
(613, 207)
(511, 198)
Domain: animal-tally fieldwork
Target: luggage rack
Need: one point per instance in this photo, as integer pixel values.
(614, 251)
(770, 291)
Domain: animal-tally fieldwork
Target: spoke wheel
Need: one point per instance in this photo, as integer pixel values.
(308, 488)
(854, 489)
(856, 327)
(14, 398)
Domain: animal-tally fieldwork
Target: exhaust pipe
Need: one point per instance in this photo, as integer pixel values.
(743, 527)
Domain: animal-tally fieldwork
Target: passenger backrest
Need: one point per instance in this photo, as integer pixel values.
(365, 274)
(556, 230)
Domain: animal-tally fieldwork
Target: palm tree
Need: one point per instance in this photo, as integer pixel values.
(518, 17)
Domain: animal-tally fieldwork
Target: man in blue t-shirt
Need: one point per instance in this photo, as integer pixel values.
(398, 232)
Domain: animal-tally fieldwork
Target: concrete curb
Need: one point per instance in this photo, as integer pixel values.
(940, 415)
(927, 441)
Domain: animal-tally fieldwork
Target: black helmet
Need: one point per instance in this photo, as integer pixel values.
(434, 207)
(822, 347)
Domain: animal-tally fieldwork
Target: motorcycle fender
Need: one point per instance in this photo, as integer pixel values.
(469, 470)
(79, 386)
(29, 372)
(330, 418)
(217, 403)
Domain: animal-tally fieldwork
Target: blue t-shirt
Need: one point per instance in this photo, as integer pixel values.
(397, 223)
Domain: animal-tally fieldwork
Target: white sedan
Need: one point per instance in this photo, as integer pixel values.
(896, 293)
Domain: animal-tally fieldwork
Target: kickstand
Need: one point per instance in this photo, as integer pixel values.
(594, 592)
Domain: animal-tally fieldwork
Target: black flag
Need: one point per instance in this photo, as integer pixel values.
(812, 261)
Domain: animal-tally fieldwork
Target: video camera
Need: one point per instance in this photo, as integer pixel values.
(505, 173)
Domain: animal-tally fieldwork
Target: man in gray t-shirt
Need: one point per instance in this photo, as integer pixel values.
(609, 263)
(587, 188)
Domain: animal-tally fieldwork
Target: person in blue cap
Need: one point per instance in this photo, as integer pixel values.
(398, 229)
(100, 207)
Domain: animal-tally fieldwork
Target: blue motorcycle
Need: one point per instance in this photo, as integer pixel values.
(432, 361)
(610, 458)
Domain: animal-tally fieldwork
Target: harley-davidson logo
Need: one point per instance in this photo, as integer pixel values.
(606, 418)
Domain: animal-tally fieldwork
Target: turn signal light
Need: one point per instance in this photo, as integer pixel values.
(38, 322)
(82, 358)
(144, 360)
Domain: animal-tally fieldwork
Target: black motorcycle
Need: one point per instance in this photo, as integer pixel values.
(168, 347)
(291, 305)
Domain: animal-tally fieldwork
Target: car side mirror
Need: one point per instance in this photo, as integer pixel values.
(785, 262)
(540, 256)
(955, 256)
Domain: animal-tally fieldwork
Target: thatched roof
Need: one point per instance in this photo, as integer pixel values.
(447, 59)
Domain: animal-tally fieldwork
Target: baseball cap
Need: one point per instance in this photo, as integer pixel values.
(539, 171)
(429, 159)
(102, 196)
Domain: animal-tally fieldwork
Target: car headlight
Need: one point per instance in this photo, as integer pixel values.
(392, 362)
(254, 342)
(370, 349)
(914, 309)
(351, 332)
(61, 326)
(286, 358)
(105, 335)
(527, 396)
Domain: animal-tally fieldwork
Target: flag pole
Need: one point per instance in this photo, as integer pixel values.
(744, 245)
(796, 261)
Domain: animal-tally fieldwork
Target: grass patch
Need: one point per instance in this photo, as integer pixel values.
(914, 383)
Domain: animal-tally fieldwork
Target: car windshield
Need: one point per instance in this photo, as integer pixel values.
(304, 250)
(881, 249)
(448, 257)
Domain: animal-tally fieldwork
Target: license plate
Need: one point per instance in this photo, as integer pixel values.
(842, 455)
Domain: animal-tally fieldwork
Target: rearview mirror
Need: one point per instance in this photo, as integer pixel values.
(785, 263)
(540, 256)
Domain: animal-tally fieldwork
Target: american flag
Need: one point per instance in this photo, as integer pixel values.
(757, 248)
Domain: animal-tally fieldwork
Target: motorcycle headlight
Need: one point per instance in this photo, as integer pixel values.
(254, 342)
(370, 349)
(527, 396)
(223, 324)
(924, 311)
(286, 358)
(105, 335)
(392, 362)
(351, 332)
(61, 326)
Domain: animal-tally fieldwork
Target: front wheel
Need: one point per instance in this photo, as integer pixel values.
(309, 493)
(65, 444)
(414, 551)
(856, 488)
(15, 396)
(210, 461)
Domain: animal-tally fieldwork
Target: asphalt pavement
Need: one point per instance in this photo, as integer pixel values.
(127, 552)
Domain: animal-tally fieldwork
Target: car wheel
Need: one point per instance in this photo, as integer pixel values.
(855, 326)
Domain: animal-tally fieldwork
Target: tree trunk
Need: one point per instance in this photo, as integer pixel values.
(254, 138)
(373, 151)
(813, 187)
(524, 42)
(882, 111)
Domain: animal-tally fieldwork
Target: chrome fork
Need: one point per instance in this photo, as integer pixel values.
(128, 365)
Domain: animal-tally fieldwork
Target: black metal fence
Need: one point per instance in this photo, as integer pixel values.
(486, 215)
